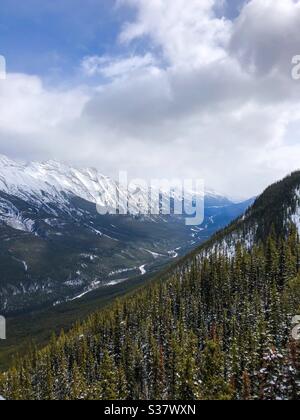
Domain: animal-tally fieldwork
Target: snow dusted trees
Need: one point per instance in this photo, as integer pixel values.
(217, 328)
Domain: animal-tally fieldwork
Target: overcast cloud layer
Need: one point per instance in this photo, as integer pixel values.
(208, 97)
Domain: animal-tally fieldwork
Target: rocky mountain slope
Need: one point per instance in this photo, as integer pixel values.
(55, 246)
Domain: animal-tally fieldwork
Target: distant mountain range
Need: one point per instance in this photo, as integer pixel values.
(55, 247)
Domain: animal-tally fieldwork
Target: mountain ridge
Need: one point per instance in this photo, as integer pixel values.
(273, 211)
(55, 246)
(53, 177)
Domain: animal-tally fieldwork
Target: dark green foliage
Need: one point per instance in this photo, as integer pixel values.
(217, 329)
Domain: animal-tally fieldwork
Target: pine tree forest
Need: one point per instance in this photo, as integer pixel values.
(220, 328)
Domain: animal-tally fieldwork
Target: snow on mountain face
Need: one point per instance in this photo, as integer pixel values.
(275, 211)
(13, 218)
(50, 182)
(46, 182)
(295, 216)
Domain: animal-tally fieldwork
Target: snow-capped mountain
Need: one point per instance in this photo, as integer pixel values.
(55, 246)
(48, 183)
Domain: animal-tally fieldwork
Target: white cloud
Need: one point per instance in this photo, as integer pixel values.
(189, 33)
(118, 67)
(35, 121)
(223, 105)
(266, 35)
(28, 107)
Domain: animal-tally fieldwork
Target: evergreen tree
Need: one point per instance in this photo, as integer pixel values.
(109, 378)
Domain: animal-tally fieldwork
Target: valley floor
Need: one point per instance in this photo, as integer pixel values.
(37, 327)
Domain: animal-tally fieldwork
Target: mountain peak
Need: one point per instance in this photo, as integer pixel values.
(55, 177)
(5, 161)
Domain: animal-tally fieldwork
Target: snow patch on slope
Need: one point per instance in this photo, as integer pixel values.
(227, 246)
(11, 216)
(295, 217)
(143, 270)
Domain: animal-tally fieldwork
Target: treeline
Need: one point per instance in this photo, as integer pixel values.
(220, 328)
(271, 212)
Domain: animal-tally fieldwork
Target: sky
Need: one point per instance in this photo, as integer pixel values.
(169, 88)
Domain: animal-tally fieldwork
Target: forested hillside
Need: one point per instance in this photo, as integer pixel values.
(220, 328)
(272, 213)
